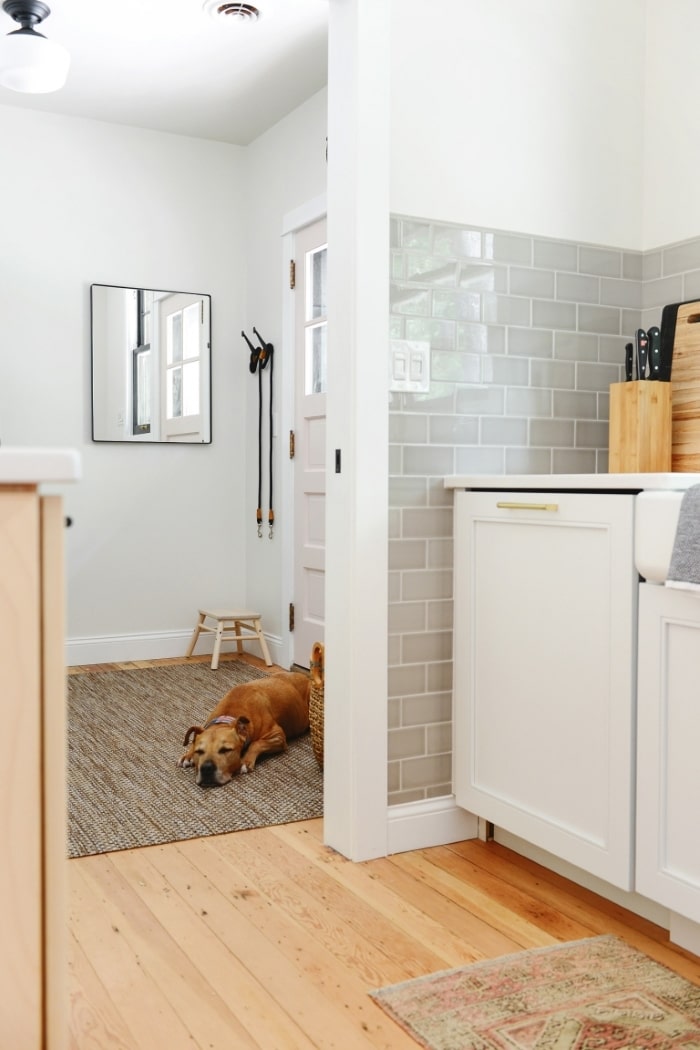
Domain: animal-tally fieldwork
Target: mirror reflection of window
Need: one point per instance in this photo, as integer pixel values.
(142, 390)
(185, 345)
(183, 352)
(151, 365)
(142, 363)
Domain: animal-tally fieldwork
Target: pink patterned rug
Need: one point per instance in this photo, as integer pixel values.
(594, 994)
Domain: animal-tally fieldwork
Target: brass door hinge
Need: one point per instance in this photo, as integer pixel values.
(291, 616)
(292, 444)
(292, 274)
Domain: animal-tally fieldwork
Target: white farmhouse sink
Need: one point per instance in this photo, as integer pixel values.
(656, 518)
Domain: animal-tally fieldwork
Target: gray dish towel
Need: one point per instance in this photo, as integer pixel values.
(684, 570)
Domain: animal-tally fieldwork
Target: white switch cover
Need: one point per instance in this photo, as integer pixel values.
(409, 366)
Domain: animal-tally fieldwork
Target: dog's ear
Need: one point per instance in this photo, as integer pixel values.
(243, 727)
(191, 733)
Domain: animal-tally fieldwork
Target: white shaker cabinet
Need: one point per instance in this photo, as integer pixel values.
(668, 782)
(545, 631)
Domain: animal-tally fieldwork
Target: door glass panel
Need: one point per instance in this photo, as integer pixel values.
(190, 388)
(142, 399)
(174, 340)
(316, 359)
(316, 284)
(190, 331)
(174, 393)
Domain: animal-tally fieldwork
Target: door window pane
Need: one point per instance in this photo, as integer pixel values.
(174, 337)
(174, 393)
(190, 388)
(142, 390)
(316, 359)
(316, 284)
(190, 331)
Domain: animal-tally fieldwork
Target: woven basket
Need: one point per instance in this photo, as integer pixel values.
(316, 700)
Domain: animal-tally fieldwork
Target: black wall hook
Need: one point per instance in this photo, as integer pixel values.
(259, 357)
(266, 349)
(254, 353)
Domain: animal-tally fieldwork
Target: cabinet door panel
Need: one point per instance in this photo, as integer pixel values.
(668, 781)
(544, 672)
(20, 823)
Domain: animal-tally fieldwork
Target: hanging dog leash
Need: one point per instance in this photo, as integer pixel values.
(259, 357)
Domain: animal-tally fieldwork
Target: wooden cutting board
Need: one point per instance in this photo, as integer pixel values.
(685, 389)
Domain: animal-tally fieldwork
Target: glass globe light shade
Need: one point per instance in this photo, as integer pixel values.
(31, 63)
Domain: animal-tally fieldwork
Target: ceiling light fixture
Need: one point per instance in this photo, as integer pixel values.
(28, 61)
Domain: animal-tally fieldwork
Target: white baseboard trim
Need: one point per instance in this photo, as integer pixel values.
(156, 645)
(430, 822)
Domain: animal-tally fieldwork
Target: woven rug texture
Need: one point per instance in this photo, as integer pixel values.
(594, 994)
(125, 734)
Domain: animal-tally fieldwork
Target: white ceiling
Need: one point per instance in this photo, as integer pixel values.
(170, 66)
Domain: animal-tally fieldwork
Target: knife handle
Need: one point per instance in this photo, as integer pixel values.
(629, 359)
(654, 336)
(642, 345)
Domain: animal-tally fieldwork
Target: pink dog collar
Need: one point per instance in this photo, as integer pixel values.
(226, 720)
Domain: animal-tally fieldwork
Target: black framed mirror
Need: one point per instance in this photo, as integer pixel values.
(151, 365)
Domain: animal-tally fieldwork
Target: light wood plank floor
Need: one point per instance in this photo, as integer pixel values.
(268, 939)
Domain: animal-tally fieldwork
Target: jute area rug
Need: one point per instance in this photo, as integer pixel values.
(594, 994)
(125, 734)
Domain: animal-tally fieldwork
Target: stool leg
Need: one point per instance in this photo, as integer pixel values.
(195, 635)
(239, 637)
(217, 645)
(263, 642)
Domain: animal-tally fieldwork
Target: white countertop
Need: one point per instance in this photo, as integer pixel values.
(570, 482)
(31, 466)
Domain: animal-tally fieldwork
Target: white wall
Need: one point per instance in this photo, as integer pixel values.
(671, 135)
(157, 529)
(284, 169)
(521, 116)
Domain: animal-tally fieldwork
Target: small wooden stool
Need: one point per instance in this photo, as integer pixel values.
(230, 626)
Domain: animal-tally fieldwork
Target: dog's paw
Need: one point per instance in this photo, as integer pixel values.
(185, 763)
(246, 769)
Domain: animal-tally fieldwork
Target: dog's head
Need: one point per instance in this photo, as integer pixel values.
(217, 749)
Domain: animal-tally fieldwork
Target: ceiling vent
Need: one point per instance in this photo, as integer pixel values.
(230, 11)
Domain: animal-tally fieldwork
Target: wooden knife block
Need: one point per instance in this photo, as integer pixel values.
(640, 427)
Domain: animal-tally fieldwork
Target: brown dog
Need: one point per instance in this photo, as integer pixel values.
(251, 720)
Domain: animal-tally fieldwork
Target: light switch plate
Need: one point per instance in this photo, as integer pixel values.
(409, 366)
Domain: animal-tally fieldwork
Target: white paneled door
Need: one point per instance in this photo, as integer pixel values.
(310, 441)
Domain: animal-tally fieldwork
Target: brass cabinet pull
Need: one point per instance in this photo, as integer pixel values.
(505, 505)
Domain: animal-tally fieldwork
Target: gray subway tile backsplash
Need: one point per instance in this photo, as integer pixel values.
(552, 433)
(532, 342)
(507, 247)
(555, 255)
(601, 319)
(691, 285)
(678, 258)
(578, 288)
(602, 261)
(530, 282)
(553, 314)
(663, 290)
(576, 346)
(527, 333)
(503, 431)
